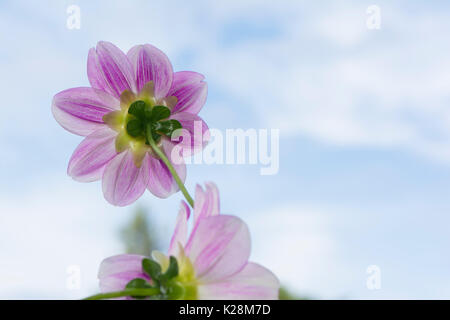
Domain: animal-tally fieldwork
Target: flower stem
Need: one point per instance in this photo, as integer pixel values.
(169, 165)
(125, 293)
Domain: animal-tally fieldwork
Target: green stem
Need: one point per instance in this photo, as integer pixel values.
(125, 293)
(169, 165)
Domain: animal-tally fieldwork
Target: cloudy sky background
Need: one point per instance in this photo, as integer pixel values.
(364, 119)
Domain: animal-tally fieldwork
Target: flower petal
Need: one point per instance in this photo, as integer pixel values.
(161, 183)
(219, 247)
(151, 64)
(198, 133)
(181, 230)
(90, 158)
(123, 183)
(206, 204)
(80, 110)
(110, 70)
(162, 259)
(190, 90)
(254, 282)
(115, 272)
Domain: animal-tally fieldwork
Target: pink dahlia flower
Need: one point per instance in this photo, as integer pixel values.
(212, 261)
(129, 94)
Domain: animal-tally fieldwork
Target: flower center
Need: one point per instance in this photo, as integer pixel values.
(173, 278)
(186, 278)
(144, 121)
(142, 116)
(184, 285)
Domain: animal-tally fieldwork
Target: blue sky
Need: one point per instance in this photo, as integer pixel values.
(364, 123)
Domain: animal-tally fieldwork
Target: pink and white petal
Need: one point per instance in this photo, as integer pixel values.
(151, 64)
(80, 110)
(207, 203)
(161, 183)
(198, 133)
(120, 263)
(123, 182)
(181, 230)
(185, 78)
(253, 282)
(110, 70)
(199, 204)
(214, 198)
(90, 158)
(115, 272)
(190, 90)
(219, 247)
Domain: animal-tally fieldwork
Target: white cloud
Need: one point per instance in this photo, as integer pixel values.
(328, 77)
(342, 26)
(324, 75)
(46, 229)
(297, 244)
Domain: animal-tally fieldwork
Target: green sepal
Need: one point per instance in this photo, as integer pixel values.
(159, 113)
(172, 270)
(135, 128)
(175, 291)
(155, 136)
(148, 113)
(138, 283)
(152, 268)
(167, 127)
(142, 114)
(137, 109)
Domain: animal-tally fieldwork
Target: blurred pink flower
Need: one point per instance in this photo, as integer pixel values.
(126, 164)
(213, 261)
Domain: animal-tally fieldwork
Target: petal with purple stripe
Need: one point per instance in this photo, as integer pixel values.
(181, 229)
(115, 272)
(90, 158)
(123, 182)
(161, 183)
(206, 204)
(80, 110)
(110, 70)
(219, 247)
(253, 282)
(151, 64)
(190, 90)
(214, 198)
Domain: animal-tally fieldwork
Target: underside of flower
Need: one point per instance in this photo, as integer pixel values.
(186, 273)
(172, 278)
(142, 117)
(129, 116)
(211, 261)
